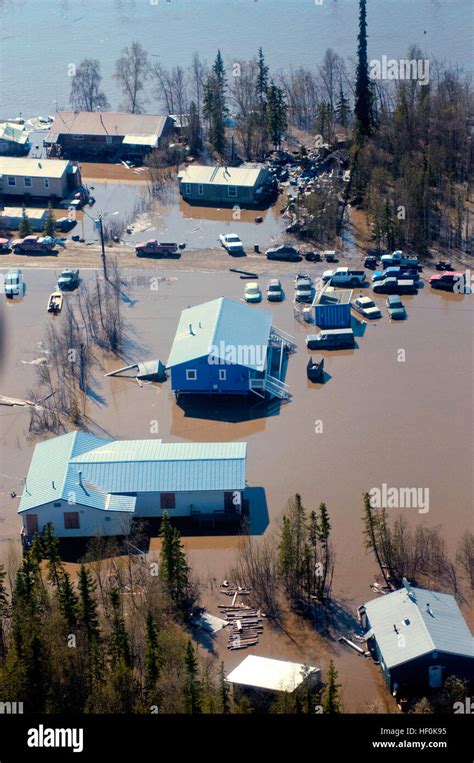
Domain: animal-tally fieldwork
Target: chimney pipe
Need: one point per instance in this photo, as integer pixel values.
(191, 329)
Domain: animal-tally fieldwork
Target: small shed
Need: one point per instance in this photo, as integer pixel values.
(332, 308)
(264, 678)
(13, 139)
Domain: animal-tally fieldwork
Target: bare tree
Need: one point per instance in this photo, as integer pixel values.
(131, 71)
(257, 568)
(86, 94)
(244, 96)
(465, 555)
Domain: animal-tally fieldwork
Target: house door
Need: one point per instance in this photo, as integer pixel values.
(435, 676)
(31, 524)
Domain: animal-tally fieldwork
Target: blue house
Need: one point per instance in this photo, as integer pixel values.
(86, 485)
(419, 637)
(225, 347)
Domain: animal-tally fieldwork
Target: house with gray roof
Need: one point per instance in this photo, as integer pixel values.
(87, 485)
(226, 347)
(249, 185)
(419, 637)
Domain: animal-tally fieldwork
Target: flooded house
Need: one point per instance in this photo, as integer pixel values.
(38, 178)
(225, 347)
(105, 136)
(13, 139)
(250, 185)
(87, 485)
(419, 637)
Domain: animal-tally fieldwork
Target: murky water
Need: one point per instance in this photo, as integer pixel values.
(406, 424)
(291, 33)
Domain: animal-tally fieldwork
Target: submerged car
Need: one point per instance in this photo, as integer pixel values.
(453, 281)
(252, 292)
(370, 262)
(68, 280)
(395, 286)
(303, 288)
(395, 308)
(330, 339)
(13, 283)
(274, 290)
(366, 307)
(232, 243)
(287, 253)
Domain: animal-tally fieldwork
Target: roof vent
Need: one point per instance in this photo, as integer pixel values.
(395, 628)
(428, 609)
(191, 329)
(53, 485)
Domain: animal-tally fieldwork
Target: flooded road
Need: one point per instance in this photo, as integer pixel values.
(396, 410)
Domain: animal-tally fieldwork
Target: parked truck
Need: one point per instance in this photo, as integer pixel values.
(154, 248)
(398, 258)
(34, 245)
(344, 277)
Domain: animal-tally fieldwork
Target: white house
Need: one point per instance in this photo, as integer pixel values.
(86, 485)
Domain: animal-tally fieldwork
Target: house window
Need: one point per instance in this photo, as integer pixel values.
(27, 182)
(187, 189)
(168, 500)
(46, 182)
(31, 524)
(108, 139)
(57, 505)
(222, 374)
(11, 180)
(201, 189)
(232, 191)
(78, 137)
(191, 374)
(71, 520)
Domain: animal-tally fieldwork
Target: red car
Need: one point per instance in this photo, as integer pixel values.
(154, 247)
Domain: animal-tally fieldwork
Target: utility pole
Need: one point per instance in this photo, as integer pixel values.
(100, 228)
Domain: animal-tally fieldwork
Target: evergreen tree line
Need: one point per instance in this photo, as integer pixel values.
(86, 646)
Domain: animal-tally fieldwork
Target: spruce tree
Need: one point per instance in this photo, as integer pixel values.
(214, 107)
(193, 692)
(88, 616)
(52, 555)
(119, 643)
(68, 602)
(342, 108)
(3, 612)
(261, 89)
(224, 691)
(363, 108)
(152, 656)
(25, 226)
(49, 223)
(277, 121)
(371, 533)
(174, 570)
(331, 701)
(194, 129)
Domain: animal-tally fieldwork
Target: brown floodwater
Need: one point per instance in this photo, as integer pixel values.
(376, 420)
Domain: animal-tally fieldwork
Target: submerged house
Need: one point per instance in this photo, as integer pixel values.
(86, 485)
(13, 139)
(106, 135)
(38, 178)
(226, 347)
(244, 186)
(419, 637)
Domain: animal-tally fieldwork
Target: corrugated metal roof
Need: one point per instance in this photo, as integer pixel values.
(428, 620)
(141, 140)
(222, 324)
(120, 502)
(14, 133)
(106, 123)
(84, 469)
(243, 176)
(38, 168)
(274, 675)
(33, 214)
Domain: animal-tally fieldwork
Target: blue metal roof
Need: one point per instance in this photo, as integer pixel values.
(428, 620)
(221, 323)
(88, 470)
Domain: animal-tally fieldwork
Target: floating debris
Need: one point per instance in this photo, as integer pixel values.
(148, 370)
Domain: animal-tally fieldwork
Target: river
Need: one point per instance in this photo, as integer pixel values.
(41, 38)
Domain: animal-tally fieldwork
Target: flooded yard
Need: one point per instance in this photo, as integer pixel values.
(395, 410)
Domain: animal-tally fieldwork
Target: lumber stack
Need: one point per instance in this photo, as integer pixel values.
(245, 622)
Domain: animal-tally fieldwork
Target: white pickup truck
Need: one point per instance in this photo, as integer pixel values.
(344, 277)
(398, 258)
(231, 242)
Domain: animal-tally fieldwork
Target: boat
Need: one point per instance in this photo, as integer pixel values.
(315, 371)
(55, 302)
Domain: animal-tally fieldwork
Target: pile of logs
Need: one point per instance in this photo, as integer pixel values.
(245, 626)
